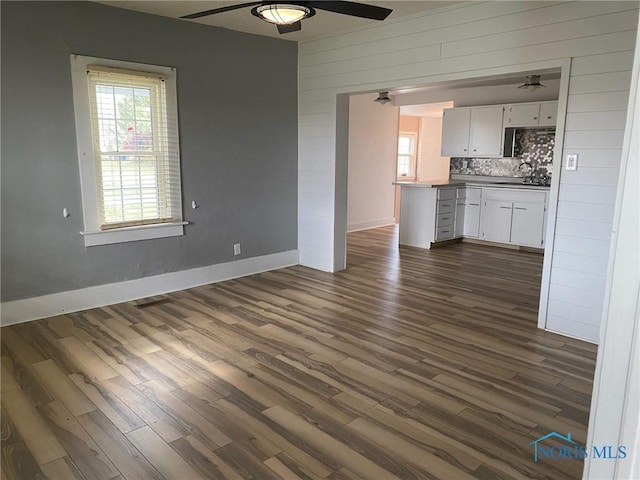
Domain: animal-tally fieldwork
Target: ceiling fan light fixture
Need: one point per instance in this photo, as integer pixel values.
(532, 82)
(383, 97)
(282, 13)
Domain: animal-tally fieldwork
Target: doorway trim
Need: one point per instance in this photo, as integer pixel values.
(342, 159)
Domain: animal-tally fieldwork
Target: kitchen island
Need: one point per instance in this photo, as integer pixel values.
(492, 210)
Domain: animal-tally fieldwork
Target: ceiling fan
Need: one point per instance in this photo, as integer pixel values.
(287, 16)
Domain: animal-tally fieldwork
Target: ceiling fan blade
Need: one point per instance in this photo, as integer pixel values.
(354, 9)
(292, 27)
(220, 10)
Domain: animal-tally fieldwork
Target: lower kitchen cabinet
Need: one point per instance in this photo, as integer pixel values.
(470, 222)
(496, 221)
(471, 226)
(459, 226)
(430, 215)
(527, 223)
(512, 216)
(446, 213)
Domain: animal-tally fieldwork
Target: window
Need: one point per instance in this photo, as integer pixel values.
(406, 156)
(126, 122)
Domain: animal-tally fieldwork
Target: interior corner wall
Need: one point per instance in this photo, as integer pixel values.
(409, 123)
(431, 166)
(475, 39)
(238, 144)
(373, 149)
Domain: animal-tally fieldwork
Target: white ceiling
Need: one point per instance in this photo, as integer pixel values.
(430, 100)
(432, 110)
(322, 24)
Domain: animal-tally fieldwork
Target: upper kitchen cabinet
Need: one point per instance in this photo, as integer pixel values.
(455, 132)
(530, 114)
(485, 134)
(548, 113)
(522, 115)
(472, 132)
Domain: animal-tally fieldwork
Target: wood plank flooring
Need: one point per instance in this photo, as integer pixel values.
(410, 364)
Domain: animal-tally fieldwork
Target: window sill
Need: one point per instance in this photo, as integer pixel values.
(133, 234)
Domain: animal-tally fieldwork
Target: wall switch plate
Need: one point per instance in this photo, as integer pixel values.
(236, 249)
(572, 161)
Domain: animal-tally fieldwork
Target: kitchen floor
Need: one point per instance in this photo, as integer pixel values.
(409, 364)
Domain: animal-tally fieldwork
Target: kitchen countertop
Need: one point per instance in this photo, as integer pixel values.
(470, 182)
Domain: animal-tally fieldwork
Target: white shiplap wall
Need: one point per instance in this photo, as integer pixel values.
(471, 40)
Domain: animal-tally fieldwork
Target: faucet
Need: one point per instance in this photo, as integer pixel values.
(527, 178)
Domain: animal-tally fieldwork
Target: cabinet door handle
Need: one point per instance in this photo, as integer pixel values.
(548, 117)
(446, 205)
(518, 208)
(506, 207)
(535, 118)
(445, 218)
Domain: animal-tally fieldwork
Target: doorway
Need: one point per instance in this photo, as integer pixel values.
(435, 93)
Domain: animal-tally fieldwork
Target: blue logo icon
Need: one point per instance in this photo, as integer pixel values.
(546, 451)
(568, 448)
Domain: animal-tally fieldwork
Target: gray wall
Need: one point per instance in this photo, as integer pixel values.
(237, 104)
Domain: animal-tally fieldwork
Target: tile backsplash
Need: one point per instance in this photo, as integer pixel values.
(532, 145)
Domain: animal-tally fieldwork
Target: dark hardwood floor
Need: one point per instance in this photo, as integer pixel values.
(409, 364)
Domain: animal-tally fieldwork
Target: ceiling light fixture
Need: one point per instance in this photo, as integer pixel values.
(282, 13)
(383, 97)
(532, 82)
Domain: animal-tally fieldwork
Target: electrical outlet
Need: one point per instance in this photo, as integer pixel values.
(236, 249)
(572, 161)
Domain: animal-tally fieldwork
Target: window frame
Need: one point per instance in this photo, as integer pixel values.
(413, 156)
(93, 234)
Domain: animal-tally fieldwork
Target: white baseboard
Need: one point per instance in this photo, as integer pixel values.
(18, 311)
(575, 337)
(378, 222)
(315, 263)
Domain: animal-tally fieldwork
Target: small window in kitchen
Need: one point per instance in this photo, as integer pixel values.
(406, 168)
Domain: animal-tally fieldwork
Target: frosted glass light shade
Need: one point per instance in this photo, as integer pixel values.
(282, 13)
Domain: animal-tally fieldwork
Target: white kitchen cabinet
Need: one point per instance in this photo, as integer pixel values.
(459, 226)
(417, 216)
(496, 221)
(472, 132)
(496, 214)
(427, 215)
(461, 194)
(446, 212)
(467, 222)
(471, 225)
(548, 113)
(522, 115)
(527, 223)
(513, 216)
(531, 114)
(485, 132)
(455, 132)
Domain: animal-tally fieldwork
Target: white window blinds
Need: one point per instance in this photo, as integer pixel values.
(135, 145)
